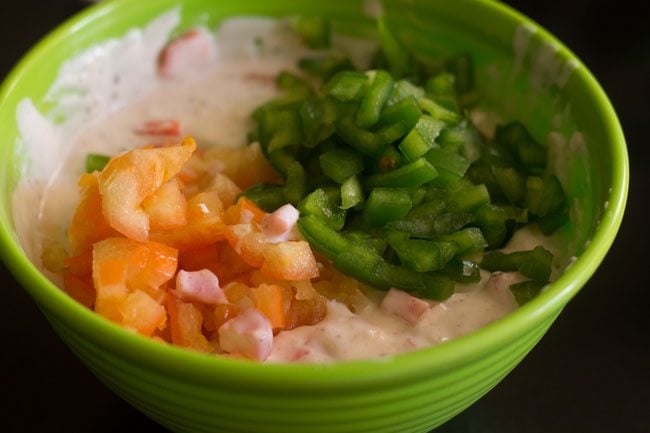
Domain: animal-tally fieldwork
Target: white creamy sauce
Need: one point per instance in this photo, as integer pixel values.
(104, 94)
(373, 333)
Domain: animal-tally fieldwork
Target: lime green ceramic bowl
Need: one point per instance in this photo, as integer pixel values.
(522, 72)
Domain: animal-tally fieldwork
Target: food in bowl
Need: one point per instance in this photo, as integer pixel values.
(522, 72)
(208, 248)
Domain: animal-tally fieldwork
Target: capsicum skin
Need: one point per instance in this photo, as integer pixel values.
(96, 162)
(364, 263)
(411, 175)
(380, 88)
(394, 183)
(318, 203)
(385, 205)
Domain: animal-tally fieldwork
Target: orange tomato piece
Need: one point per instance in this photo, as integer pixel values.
(167, 207)
(239, 294)
(305, 312)
(193, 170)
(207, 311)
(128, 179)
(230, 265)
(111, 260)
(142, 313)
(185, 321)
(248, 241)
(80, 265)
(244, 211)
(246, 166)
(156, 266)
(204, 226)
(88, 224)
(225, 187)
(224, 312)
(269, 300)
(122, 265)
(202, 257)
(291, 260)
(79, 288)
(343, 289)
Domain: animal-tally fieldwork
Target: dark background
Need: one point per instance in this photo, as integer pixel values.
(590, 373)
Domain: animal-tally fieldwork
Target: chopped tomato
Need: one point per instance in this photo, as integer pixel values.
(343, 289)
(111, 260)
(79, 288)
(245, 166)
(226, 188)
(201, 257)
(268, 299)
(80, 265)
(170, 127)
(239, 294)
(248, 241)
(157, 266)
(204, 224)
(224, 312)
(292, 260)
(230, 265)
(244, 211)
(130, 178)
(142, 313)
(185, 321)
(88, 224)
(167, 207)
(122, 265)
(306, 312)
(161, 247)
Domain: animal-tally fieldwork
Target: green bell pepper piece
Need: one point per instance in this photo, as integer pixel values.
(526, 290)
(351, 193)
(267, 197)
(535, 264)
(341, 163)
(296, 185)
(463, 271)
(544, 196)
(421, 138)
(469, 240)
(386, 204)
(422, 255)
(96, 162)
(347, 86)
(380, 88)
(410, 175)
(321, 236)
(360, 139)
(318, 203)
(437, 111)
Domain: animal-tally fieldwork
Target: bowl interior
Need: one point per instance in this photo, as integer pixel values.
(522, 73)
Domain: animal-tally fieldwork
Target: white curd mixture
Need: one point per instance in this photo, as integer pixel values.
(105, 93)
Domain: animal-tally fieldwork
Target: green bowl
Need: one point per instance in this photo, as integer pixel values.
(523, 73)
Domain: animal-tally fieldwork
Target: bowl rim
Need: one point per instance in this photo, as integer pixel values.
(210, 370)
